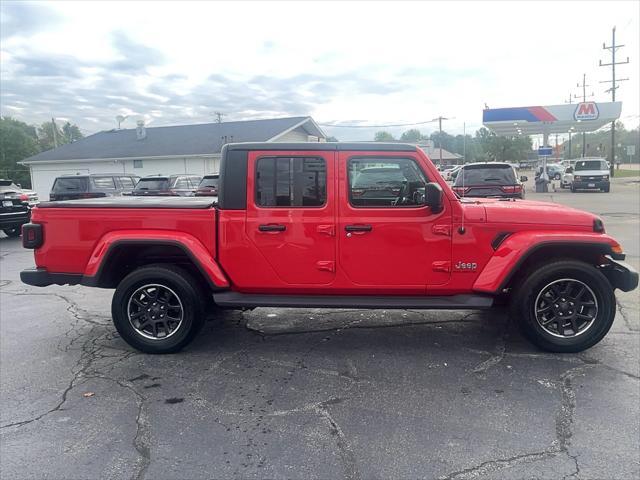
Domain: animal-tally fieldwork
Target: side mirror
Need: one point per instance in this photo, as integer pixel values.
(524, 178)
(433, 196)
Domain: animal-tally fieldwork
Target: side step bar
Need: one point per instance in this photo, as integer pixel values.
(453, 302)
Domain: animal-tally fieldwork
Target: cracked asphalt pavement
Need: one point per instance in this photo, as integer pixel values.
(353, 394)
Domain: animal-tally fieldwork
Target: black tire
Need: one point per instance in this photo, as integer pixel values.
(166, 280)
(573, 189)
(12, 232)
(606, 189)
(528, 296)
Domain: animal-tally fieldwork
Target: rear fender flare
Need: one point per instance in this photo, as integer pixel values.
(516, 248)
(191, 246)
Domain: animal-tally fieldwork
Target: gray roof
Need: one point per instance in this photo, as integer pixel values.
(202, 139)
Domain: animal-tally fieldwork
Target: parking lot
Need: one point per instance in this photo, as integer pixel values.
(354, 394)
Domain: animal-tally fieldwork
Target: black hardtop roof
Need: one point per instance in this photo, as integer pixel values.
(325, 146)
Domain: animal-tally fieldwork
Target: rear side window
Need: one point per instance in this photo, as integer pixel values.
(70, 184)
(127, 183)
(386, 182)
(291, 182)
(486, 175)
(103, 183)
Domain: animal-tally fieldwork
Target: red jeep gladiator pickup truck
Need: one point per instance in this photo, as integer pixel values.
(365, 225)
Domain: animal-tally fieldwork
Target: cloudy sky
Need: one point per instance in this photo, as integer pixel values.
(360, 63)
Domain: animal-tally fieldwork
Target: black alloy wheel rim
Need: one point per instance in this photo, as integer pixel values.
(566, 308)
(155, 311)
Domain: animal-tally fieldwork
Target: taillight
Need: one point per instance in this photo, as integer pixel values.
(24, 197)
(512, 189)
(577, 177)
(31, 235)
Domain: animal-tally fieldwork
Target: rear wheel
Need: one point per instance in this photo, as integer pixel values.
(12, 232)
(564, 306)
(158, 308)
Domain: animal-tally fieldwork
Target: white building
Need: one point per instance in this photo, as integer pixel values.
(193, 149)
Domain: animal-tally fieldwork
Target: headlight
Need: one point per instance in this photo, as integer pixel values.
(605, 177)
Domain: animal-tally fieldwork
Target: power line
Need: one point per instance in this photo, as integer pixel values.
(612, 48)
(584, 99)
(333, 125)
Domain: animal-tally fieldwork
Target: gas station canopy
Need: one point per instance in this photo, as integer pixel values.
(572, 117)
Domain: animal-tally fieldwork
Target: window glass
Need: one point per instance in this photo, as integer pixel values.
(137, 164)
(182, 183)
(127, 182)
(386, 182)
(291, 182)
(76, 184)
(104, 183)
(153, 184)
(486, 175)
(209, 182)
(591, 165)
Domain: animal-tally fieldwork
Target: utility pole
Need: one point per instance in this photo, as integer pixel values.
(439, 119)
(570, 150)
(584, 99)
(612, 48)
(464, 142)
(55, 132)
(219, 116)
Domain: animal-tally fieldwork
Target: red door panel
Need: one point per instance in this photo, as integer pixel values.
(298, 242)
(387, 245)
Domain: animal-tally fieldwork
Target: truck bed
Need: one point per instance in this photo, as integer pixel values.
(135, 202)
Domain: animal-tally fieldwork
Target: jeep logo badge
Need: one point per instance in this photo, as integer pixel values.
(586, 111)
(465, 266)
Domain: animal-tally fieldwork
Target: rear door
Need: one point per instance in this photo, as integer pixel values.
(291, 214)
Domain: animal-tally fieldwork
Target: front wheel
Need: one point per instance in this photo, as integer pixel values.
(158, 308)
(12, 232)
(564, 306)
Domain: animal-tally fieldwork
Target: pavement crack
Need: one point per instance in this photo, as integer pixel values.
(497, 357)
(347, 456)
(625, 317)
(490, 466)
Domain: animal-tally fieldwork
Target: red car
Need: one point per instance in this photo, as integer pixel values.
(317, 225)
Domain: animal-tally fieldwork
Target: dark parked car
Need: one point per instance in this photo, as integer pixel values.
(386, 186)
(168, 185)
(208, 186)
(489, 180)
(14, 209)
(75, 187)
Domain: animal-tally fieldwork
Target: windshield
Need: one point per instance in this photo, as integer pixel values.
(152, 184)
(486, 175)
(591, 165)
(73, 184)
(209, 182)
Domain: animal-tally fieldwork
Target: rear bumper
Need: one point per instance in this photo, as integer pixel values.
(14, 219)
(40, 277)
(621, 275)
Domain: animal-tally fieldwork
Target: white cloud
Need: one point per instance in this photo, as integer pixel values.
(411, 61)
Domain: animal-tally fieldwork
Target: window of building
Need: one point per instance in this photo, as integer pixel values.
(291, 182)
(137, 164)
(386, 182)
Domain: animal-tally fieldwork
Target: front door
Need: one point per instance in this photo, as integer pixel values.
(387, 236)
(291, 214)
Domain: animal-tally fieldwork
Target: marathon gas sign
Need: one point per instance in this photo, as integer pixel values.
(586, 111)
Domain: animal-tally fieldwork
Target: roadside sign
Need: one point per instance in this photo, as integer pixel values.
(545, 151)
(631, 150)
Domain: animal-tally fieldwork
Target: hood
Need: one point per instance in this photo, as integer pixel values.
(531, 212)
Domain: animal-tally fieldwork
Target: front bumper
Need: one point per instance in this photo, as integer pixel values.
(621, 275)
(586, 184)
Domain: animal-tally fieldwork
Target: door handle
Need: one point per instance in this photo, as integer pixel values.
(358, 228)
(272, 228)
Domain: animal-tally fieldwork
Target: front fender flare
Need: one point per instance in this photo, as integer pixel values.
(191, 246)
(516, 248)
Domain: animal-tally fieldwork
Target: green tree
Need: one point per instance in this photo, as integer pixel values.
(413, 135)
(71, 133)
(17, 142)
(383, 136)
